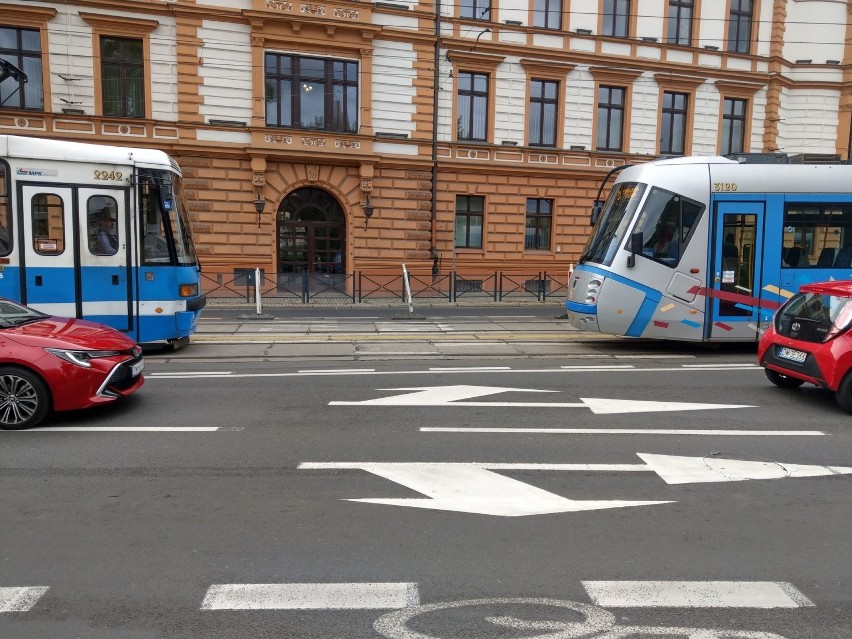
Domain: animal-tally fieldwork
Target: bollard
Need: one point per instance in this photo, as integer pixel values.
(257, 290)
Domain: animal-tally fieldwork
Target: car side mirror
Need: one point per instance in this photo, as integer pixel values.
(636, 242)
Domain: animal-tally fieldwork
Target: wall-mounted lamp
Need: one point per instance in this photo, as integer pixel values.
(368, 210)
(259, 203)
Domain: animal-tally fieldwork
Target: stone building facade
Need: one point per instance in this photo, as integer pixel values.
(475, 133)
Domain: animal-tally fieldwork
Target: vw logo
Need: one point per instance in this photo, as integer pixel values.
(796, 326)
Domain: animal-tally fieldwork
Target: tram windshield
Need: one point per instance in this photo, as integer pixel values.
(609, 232)
(165, 223)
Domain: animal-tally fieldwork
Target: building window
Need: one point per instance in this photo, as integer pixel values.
(311, 93)
(610, 118)
(469, 216)
(21, 49)
(673, 134)
(680, 22)
(739, 26)
(733, 125)
(122, 77)
(473, 106)
(539, 224)
(616, 18)
(475, 9)
(547, 14)
(544, 106)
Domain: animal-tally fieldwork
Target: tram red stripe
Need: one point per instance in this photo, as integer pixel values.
(735, 297)
(659, 324)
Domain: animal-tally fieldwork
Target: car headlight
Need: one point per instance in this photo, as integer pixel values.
(80, 358)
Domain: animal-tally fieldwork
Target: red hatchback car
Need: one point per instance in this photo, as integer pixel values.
(810, 340)
(56, 363)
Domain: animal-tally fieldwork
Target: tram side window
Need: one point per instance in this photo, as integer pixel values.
(102, 217)
(48, 222)
(817, 236)
(5, 226)
(666, 222)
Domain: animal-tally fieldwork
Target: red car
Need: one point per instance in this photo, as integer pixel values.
(810, 341)
(56, 363)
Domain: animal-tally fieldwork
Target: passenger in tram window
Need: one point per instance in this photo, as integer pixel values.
(107, 239)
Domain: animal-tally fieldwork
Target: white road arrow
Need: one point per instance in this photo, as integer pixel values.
(454, 396)
(471, 489)
(474, 488)
(699, 470)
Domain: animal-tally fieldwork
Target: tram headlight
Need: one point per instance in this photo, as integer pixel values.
(80, 358)
(188, 290)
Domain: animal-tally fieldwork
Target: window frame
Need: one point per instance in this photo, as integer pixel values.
(475, 10)
(538, 217)
(616, 19)
(18, 55)
(610, 108)
(540, 105)
(125, 66)
(726, 130)
(121, 27)
(36, 18)
(40, 244)
(467, 213)
(672, 112)
(548, 16)
(473, 95)
(674, 16)
(327, 79)
(737, 16)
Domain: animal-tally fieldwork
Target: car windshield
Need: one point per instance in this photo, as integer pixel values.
(12, 314)
(612, 225)
(814, 317)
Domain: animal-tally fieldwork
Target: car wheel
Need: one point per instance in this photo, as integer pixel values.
(844, 393)
(24, 399)
(782, 381)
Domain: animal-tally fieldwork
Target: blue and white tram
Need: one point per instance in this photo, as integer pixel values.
(707, 248)
(98, 232)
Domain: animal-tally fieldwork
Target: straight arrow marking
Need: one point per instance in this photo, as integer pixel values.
(454, 396)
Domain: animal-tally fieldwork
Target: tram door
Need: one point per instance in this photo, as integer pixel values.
(76, 248)
(736, 269)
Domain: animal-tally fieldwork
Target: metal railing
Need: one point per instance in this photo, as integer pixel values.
(361, 286)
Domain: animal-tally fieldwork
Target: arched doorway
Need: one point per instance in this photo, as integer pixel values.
(311, 233)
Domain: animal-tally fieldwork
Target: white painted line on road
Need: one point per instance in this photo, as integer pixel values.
(311, 596)
(604, 367)
(613, 468)
(450, 369)
(380, 354)
(719, 366)
(122, 429)
(627, 431)
(335, 371)
(695, 594)
(20, 599)
(190, 374)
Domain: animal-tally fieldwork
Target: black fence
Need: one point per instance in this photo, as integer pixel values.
(358, 287)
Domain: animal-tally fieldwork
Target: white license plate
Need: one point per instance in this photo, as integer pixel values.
(137, 368)
(792, 354)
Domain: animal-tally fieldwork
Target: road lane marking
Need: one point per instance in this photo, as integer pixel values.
(695, 594)
(456, 396)
(20, 599)
(524, 371)
(124, 429)
(460, 369)
(311, 596)
(335, 371)
(627, 431)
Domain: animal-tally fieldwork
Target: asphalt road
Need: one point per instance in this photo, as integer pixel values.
(499, 487)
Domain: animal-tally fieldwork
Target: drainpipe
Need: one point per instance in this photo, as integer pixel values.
(435, 83)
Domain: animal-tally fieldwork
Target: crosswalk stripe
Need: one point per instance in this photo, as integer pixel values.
(20, 599)
(311, 596)
(695, 594)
